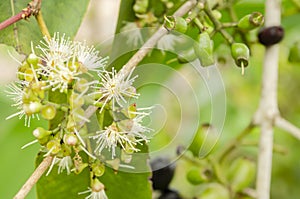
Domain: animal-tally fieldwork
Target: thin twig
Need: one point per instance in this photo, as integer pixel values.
(42, 24)
(288, 127)
(32, 180)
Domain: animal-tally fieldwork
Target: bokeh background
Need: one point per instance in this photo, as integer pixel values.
(242, 92)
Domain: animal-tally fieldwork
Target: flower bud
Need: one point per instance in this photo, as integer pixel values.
(32, 107)
(40, 133)
(98, 168)
(70, 139)
(48, 112)
(54, 146)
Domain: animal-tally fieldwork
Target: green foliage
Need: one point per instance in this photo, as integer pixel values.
(58, 15)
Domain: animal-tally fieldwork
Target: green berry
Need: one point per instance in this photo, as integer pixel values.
(195, 176)
(178, 24)
(251, 21)
(241, 173)
(240, 53)
(48, 112)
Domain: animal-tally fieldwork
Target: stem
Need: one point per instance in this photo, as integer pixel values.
(42, 24)
(39, 171)
(218, 24)
(25, 13)
(235, 142)
(268, 107)
(287, 126)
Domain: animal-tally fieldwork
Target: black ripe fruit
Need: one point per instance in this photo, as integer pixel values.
(162, 173)
(169, 194)
(270, 35)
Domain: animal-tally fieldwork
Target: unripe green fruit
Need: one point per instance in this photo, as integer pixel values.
(240, 53)
(204, 49)
(140, 6)
(204, 141)
(215, 191)
(48, 112)
(251, 21)
(187, 56)
(195, 176)
(241, 173)
(294, 54)
(217, 14)
(178, 24)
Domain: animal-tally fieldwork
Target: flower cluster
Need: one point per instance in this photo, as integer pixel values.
(55, 86)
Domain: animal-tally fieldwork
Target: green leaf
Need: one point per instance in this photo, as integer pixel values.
(60, 16)
(61, 185)
(129, 183)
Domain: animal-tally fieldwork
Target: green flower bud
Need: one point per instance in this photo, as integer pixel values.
(217, 14)
(251, 21)
(70, 139)
(33, 60)
(241, 173)
(28, 74)
(32, 107)
(48, 112)
(140, 6)
(178, 24)
(204, 49)
(40, 133)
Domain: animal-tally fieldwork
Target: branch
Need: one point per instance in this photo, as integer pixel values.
(34, 178)
(288, 127)
(32, 8)
(268, 107)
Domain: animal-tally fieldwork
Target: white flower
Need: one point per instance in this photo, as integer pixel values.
(61, 75)
(137, 129)
(64, 163)
(89, 56)
(115, 87)
(110, 138)
(16, 93)
(168, 42)
(56, 50)
(133, 34)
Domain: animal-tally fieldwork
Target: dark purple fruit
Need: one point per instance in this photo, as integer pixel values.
(162, 173)
(270, 35)
(169, 194)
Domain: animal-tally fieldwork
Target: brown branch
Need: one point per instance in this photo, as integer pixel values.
(32, 8)
(24, 14)
(39, 171)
